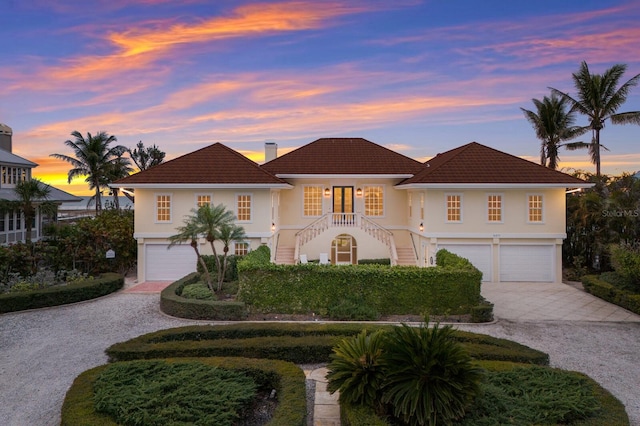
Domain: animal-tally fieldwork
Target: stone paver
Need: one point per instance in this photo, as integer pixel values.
(326, 410)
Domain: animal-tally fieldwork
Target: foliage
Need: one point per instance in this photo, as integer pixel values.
(146, 157)
(287, 379)
(398, 290)
(430, 378)
(612, 293)
(385, 261)
(352, 309)
(357, 369)
(94, 159)
(198, 290)
(533, 396)
(625, 259)
(144, 392)
(598, 98)
(76, 291)
(553, 123)
(231, 273)
(302, 343)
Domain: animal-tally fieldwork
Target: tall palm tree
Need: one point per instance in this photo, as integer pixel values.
(210, 220)
(599, 99)
(189, 233)
(93, 159)
(553, 123)
(31, 196)
(227, 233)
(118, 169)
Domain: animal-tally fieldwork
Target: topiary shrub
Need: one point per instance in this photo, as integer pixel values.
(352, 309)
(198, 290)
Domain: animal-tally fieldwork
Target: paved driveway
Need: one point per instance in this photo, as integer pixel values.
(42, 351)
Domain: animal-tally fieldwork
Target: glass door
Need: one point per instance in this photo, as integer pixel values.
(343, 205)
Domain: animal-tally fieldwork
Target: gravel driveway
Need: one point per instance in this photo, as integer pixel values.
(42, 351)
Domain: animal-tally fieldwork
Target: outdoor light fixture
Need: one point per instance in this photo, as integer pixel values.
(421, 227)
(359, 192)
(273, 227)
(571, 191)
(327, 192)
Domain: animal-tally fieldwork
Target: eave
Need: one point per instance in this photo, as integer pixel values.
(203, 185)
(342, 176)
(492, 185)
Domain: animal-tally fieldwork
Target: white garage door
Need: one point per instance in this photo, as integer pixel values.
(164, 264)
(478, 254)
(527, 263)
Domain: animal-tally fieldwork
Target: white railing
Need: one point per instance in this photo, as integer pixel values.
(346, 220)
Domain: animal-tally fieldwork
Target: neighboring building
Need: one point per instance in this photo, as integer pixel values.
(346, 199)
(14, 169)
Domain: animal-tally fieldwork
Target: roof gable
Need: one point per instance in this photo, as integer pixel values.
(475, 163)
(342, 156)
(214, 164)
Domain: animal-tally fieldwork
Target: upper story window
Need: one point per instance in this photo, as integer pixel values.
(13, 175)
(312, 200)
(410, 199)
(203, 200)
(241, 248)
(163, 208)
(374, 200)
(244, 207)
(494, 208)
(421, 206)
(535, 203)
(454, 207)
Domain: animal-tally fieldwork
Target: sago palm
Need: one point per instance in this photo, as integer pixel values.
(93, 158)
(598, 97)
(553, 123)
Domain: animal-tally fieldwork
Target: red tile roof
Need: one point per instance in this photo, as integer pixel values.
(214, 164)
(342, 156)
(478, 164)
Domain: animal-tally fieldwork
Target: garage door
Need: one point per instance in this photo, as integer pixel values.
(478, 254)
(164, 264)
(527, 263)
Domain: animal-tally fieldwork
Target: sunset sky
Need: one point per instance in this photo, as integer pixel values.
(419, 77)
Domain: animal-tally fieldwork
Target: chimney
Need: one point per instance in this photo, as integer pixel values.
(5, 137)
(270, 151)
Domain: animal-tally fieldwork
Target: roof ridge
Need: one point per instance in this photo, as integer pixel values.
(249, 160)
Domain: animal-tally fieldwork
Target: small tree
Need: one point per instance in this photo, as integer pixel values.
(189, 233)
(227, 233)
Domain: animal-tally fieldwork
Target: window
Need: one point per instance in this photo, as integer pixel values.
(163, 208)
(454, 208)
(421, 206)
(241, 248)
(535, 208)
(374, 201)
(203, 200)
(312, 198)
(410, 205)
(494, 208)
(244, 207)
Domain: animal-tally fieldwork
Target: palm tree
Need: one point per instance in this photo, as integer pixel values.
(189, 233)
(93, 159)
(210, 220)
(118, 169)
(553, 123)
(599, 99)
(227, 233)
(31, 196)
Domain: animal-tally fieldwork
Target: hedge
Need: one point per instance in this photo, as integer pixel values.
(612, 413)
(300, 343)
(449, 290)
(231, 274)
(604, 290)
(61, 294)
(171, 303)
(286, 378)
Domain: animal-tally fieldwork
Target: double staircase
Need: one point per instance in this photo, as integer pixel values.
(398, 255)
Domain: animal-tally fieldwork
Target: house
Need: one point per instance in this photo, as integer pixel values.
(15, 169)
(346, 199)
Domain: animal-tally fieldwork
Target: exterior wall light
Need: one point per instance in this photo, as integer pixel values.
(359, 192)
(421, 227)
(273, 227)
(327, 192)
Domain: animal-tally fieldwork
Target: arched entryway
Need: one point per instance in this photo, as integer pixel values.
(344, 250)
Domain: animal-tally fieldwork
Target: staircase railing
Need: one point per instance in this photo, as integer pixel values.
(346, 220)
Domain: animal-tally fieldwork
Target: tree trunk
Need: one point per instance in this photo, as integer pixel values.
(597, 152)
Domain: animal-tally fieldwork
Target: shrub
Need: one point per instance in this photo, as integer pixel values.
(198, 290)
(351, 309)
(430, 378)
(357, 371)
(231, 274)
(157, 392)
(386, 261)
(625, 259)
(611, 293)
(482, 312)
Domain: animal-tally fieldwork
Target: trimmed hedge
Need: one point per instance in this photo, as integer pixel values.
(173, 304)
(604, 290)
(450, 289)
(231, 274)
(288, 380)
(61, 294)
(300, 343)
(612, 413)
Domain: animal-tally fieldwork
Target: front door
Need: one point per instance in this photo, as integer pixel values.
(343, 205)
